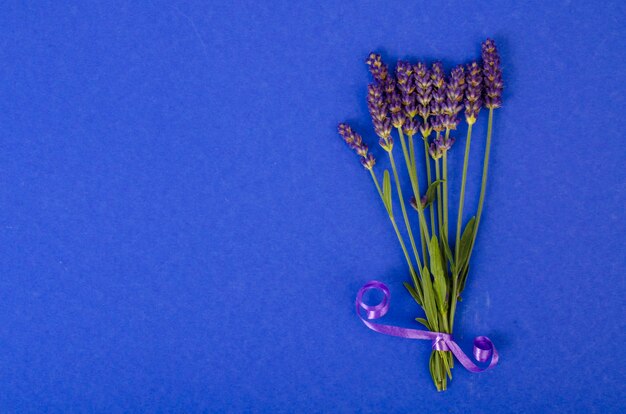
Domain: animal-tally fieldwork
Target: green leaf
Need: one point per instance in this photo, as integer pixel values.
(466, 243)
(463, 280)
(440, 285)
(431, 193)
(423, 322)
(447, 251)
(387, 192)
(413, 292)
(431, 366)
(430, 303)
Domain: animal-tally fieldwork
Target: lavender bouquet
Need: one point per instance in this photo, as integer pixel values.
(423, 102)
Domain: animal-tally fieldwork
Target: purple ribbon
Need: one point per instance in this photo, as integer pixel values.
(483, 347)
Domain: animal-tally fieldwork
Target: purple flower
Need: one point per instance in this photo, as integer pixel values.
(438, 96)
(426, 128)
(375, 103)
(434, 151)
(380, 117)
(395, 107)
(492, 73)
(355, 142)
(368, 162)
(403, 76)
(443, 143)
(410, 127)
(423, 85)
(454, 95)
(397, 119)
(378, 69)
(406, 85)
(440, 146)
(423, 201)
(395, 102)
(473, 93)
(389, 89)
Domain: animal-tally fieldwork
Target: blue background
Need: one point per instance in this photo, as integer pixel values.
(182, 230)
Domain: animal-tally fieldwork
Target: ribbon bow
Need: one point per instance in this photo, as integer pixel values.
(483, 347)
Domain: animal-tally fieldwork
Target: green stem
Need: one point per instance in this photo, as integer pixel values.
(410, 165)
(459, 221)
(439, 203)
(445, 189)
(395, 227)
(483, 185)
(459, 218)
(429, 177)
(403, 208)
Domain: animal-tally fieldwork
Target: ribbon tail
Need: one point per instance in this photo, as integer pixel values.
(483, 348)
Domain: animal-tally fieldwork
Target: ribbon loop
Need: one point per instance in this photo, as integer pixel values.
(376, 311)
(441, 341)
(483, 348)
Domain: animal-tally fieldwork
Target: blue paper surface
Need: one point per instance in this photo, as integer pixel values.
(182, 229)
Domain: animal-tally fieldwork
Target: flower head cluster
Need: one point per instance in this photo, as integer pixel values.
(438, 96)
(473, 94)
(417, 97)
(454, 96)
(411, 127)
(423, 201)
(395, 108)
(406, 86)
(380, 72)
(355, 142)
(492, 72)
(423, 87)
(378, 69)
(378, 110)
(439, 146)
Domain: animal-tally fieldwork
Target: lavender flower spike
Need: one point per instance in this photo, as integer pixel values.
(424, 90)
(380, 118)
(378, 69)
(492, 72)
(406, 85)
(443, 143)
(435, 151)
(473, 94)
(440, 146)
(355, 142)
(395, 107)
(438, 96)
(454, 96)
(410, 127)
